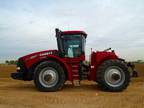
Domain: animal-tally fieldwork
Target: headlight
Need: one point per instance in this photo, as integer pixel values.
(18, 68)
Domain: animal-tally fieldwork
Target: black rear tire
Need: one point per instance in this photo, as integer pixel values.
(57, 70)
(122, 77)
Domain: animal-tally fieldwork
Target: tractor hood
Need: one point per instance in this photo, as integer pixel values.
(38, 54)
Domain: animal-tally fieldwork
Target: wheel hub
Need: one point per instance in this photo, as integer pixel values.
(114, 76)
(48, 77)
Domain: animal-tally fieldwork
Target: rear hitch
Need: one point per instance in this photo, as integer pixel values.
(132, 67)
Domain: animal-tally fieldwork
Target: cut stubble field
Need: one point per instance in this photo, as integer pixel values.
(20, 94)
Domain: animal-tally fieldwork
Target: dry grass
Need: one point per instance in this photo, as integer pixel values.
(20, 94)
(5, 70)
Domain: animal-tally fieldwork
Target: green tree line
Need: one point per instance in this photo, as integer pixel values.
(10, 62)
(138, 61)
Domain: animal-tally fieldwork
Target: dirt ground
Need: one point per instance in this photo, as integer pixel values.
(20, 94)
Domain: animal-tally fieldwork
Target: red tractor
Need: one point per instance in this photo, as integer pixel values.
(51, 68)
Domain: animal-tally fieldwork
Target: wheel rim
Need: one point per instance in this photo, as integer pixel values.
(114, 76)
(48, 77)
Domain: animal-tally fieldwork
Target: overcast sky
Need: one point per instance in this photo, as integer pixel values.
(29, 25)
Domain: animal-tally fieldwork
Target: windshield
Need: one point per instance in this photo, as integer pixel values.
(73, 45)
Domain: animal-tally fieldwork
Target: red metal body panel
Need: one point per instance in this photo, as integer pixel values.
(96, 59)
(32, 58)
(71, 64)
(74, 32)
(37, 57)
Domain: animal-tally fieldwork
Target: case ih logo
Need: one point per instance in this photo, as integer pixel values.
(32, 57)
(40, 55)
(47, 53)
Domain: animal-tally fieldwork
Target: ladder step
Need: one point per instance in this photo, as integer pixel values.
(76, 82)
(75, 72)
(75, 75)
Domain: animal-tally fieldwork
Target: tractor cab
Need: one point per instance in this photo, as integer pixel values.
(71, 44)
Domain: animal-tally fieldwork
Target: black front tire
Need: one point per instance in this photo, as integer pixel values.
(102, 71)
(59, 71)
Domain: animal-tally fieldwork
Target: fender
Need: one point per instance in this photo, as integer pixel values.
(32, 60)
(97, 58)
